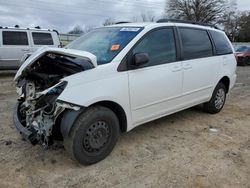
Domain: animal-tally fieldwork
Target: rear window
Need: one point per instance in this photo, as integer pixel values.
(222, 45)
(42, 38)
(196, 43)
(15, 38)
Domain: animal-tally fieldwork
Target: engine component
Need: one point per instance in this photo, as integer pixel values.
(39, 89)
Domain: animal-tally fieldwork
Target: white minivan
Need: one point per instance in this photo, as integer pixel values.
(17, 43)
(118, 77)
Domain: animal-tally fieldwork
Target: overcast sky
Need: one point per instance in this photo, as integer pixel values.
(63, 15)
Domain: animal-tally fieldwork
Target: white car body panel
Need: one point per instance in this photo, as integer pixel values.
(196, 85)
(100, 84)
(154, 98)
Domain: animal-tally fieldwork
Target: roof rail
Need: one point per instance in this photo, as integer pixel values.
(187, 22)
(55, 31)
(121, 22)
(35, 28)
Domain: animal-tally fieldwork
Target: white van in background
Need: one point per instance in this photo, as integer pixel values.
(16, 43)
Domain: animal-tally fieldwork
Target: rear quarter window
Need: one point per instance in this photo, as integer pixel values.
(222, 45)
(15, 38)
(42, 38)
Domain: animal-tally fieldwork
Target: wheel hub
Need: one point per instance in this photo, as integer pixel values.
(96, 136)
(219, 99)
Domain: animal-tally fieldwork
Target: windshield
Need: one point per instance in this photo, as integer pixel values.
(243, 49)
(105, 43)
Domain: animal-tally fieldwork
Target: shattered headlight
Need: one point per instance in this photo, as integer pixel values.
(48, 97)
(58, 88)
(68, 105)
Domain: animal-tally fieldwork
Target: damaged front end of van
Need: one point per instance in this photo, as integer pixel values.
(39, 82)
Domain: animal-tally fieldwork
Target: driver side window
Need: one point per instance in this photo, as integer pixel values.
(159, 45)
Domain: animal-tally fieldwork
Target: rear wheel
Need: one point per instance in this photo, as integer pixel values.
(93, 135)
(217, 101)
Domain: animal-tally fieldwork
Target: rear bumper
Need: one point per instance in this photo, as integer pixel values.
(233, 81)
(27, 134)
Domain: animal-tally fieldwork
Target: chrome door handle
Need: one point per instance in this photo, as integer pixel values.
(176, 68)
(187, 66)
(25, 50)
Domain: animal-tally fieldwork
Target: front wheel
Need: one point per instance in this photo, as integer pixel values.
(93, 135)
(217, 101)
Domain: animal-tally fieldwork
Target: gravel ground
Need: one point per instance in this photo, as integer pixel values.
(187, 149)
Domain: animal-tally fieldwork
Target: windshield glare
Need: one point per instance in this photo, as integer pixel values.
(105, 43)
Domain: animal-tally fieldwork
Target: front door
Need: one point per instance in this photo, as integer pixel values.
(155, 88)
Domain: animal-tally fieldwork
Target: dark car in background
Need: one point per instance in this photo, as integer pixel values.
(243, 55)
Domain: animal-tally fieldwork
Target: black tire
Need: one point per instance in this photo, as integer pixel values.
(93, 135)
(244, 61)
(248, 60)
(215, 105)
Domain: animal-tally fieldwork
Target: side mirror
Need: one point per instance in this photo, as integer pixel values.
(141, 59)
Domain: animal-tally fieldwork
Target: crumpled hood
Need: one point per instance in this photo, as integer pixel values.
(41, 51)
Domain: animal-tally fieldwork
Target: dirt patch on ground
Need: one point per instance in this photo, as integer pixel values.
(187, 149)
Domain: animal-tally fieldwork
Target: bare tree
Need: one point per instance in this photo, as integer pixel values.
(244, 27)
(109, 21)
(79, 30)
(144, 17)
(147, 17)
(207, 11)
(88, 28)
(76, 30)
(231, 25)
(230, 21)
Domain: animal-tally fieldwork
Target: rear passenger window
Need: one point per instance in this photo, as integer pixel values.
(42, 38)
(159, 45)
(196, 43)
(222, 45)
(15, 38)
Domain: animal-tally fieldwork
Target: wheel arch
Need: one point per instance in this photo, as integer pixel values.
(118, 110)
(226, 81)
(69, 116)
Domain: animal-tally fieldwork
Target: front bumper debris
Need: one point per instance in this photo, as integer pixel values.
(27, 133)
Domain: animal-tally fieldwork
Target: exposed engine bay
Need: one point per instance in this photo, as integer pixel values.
(38, 87)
